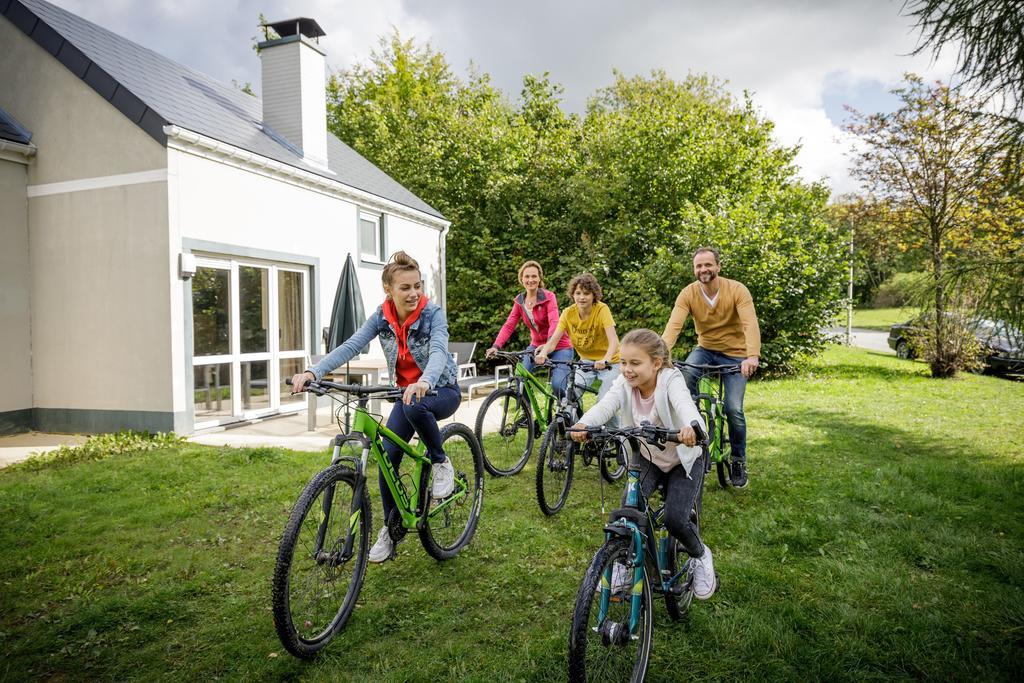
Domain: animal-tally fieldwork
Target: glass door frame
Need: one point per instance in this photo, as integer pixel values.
(272, 356)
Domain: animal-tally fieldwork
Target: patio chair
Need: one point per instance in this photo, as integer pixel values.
(469, 380)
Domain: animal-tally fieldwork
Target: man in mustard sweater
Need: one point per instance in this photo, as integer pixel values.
(727, 334)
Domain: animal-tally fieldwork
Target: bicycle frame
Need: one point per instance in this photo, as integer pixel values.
(530, 386)
(709, 397)
(370, 432)
(655, 541)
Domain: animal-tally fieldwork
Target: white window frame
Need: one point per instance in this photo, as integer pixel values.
(272, 356)
(380, 237)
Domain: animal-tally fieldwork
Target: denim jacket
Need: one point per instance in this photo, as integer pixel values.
(428, 343)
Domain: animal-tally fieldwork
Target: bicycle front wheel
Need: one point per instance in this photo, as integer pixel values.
(451, 522)
(601, 647)
(321, 562)
(504, 428)
(554, 469)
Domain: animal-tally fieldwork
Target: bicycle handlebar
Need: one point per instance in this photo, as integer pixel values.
(656, 436)
(708, 369)
(324, 386)
(516, 355)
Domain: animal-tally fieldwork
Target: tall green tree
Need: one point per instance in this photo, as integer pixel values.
(672, 166)
(654, 169)
(989, 37)
(931, 164)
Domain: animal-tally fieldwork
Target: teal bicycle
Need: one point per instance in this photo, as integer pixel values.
(612, 622)
(321, 560)
(711, 404)
(513, 417)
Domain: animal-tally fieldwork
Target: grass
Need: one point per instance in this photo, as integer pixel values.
(878, 318)
(882, 536)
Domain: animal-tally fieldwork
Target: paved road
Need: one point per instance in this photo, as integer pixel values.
(872, 340)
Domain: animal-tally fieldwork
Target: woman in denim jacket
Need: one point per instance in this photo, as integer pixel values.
(414, 335)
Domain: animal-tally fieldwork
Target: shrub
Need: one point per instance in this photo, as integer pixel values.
(100, 447)
(902, 289)
(960, 351)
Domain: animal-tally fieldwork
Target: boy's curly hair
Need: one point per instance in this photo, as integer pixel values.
(588, 283)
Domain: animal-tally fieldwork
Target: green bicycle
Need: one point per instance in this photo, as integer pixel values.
(513, 417)
(612, 622)
(556, 462)
(711, 404)
(321, 560)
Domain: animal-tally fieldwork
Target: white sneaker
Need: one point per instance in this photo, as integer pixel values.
(384, 548)
(444, 479)
(705, 583)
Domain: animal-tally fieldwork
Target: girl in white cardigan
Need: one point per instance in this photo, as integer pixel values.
(651, 389)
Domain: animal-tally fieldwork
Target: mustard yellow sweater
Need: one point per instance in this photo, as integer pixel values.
(729, 327)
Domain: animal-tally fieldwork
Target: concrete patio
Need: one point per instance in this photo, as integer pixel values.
(282, 431)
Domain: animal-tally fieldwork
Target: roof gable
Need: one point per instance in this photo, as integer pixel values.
(154, 91)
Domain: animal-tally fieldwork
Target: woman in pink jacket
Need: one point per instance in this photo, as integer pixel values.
(538, 309)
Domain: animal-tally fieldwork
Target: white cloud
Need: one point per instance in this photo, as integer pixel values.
(787, 53)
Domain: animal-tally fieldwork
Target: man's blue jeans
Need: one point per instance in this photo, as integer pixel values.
(735, 386)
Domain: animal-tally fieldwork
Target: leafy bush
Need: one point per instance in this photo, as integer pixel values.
(100, 447)
(960, 349)
(902, 289)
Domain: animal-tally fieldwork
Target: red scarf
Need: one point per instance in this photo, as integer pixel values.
(402, 329)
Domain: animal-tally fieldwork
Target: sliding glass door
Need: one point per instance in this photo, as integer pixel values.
(250, 326)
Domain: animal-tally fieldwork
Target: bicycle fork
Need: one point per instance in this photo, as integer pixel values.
(355, 508)
(624, 529)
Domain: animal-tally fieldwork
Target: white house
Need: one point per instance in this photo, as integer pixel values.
(171, 245)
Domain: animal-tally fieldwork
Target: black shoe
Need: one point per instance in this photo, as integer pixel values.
(738, 473)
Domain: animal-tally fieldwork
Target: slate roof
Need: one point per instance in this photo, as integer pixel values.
(154, 91)
(11, 130)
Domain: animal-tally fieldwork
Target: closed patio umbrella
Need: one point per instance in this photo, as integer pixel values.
(347, 315)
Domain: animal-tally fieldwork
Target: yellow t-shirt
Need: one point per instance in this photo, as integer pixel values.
(588, 336)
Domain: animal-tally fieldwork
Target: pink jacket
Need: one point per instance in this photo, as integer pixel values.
(545, 315)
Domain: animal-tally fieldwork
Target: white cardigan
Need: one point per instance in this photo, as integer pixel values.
(672, 403)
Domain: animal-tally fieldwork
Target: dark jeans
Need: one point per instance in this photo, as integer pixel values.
(421, 416)
(735, 386)
(559, 373)
(680, 494)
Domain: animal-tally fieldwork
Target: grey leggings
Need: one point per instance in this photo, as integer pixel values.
(680, 494)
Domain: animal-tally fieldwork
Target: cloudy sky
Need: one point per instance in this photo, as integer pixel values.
(802, 60)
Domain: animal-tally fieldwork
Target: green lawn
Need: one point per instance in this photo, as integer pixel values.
(878, 318)
(882, 536)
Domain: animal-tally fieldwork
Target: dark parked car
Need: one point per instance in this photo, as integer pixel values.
(1002, 344)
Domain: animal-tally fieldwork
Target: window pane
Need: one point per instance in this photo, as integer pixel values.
(210, 312)
(252, 303)
(368, 237)
(289, 368)
(290, 310)
(212, 385)
(254, 385)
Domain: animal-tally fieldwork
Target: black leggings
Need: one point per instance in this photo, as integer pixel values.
(680, 494)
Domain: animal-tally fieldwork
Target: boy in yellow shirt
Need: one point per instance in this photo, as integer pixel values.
(590, 326)
(727, 334)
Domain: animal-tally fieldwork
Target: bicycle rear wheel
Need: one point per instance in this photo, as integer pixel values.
(602, 649)
(504, 428)
(554, 469)
(451, 522)
(316, 582)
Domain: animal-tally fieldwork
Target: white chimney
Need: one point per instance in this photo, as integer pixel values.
(294, 94)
